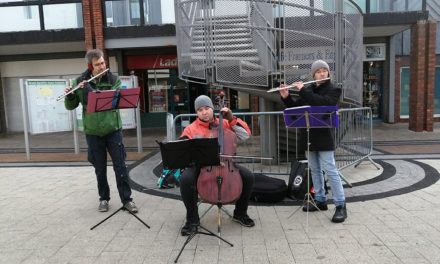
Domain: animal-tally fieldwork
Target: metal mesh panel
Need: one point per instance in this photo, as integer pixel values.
(239, 49)
(189, 31)
(308, 36)
(353, 54)
(252, 42)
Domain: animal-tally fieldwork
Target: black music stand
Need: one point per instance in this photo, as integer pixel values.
(188, 153)
(113, 99)
(310, 117)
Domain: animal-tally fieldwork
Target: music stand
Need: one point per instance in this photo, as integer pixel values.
(310, 117)
(188, 153)
(108, 100)
(112, 99)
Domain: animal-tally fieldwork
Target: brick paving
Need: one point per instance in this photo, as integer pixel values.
(46, 214)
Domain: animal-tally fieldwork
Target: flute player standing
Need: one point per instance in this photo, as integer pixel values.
(103, 131)
(322, 145)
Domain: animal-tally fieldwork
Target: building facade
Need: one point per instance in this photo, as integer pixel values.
(48, 39)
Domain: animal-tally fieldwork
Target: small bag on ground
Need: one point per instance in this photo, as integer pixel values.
(169, 179)
(297, 187)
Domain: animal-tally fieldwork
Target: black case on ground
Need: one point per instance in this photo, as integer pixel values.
(267, 189)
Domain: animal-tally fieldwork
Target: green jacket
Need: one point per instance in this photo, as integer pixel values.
(98, 123)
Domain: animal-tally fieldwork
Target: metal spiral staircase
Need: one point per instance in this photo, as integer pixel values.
(254, 45)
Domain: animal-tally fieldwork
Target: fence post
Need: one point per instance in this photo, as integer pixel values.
(25, 119)
(268, 132)
(171, 132)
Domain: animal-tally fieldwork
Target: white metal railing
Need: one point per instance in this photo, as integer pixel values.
(353, 138)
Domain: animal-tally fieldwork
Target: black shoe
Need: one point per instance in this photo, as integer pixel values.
(340, 214)
(309, 207)
(244, 220)
(188, 228)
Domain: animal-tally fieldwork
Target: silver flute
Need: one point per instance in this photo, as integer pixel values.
(293, 86)
(77, 87)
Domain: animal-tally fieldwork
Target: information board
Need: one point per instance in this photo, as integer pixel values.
(128, 115)
(47, 115)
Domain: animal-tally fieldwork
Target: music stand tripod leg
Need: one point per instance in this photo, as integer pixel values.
(122, 208)
(140, 220)
(191, 236)
(194, 233)
(107, 218)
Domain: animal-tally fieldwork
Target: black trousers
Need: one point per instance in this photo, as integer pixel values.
(97, 155)
(188, 191)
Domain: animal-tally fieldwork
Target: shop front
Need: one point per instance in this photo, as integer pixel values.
(373, 85)
(162, 91)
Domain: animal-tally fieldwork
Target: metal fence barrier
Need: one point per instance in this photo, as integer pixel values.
(354, 138)
(271, 138)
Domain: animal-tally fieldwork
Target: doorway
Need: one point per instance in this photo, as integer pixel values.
(373, 88)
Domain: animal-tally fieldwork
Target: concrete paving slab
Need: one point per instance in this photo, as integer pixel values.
(47, 212)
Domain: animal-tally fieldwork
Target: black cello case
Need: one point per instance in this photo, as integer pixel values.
(267, 189)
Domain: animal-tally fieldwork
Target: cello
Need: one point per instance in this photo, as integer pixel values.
(219, 185)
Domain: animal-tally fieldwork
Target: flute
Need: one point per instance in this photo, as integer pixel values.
(292, 86)
(77, 87)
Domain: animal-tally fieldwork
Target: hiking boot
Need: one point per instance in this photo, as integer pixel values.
(309, 207)
(131, 207)
(244, 220)
(188, 228)
(103, 206)
(340, 214)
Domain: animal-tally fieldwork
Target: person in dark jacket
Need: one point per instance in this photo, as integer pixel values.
(103, 131)
(205, 122)
(322, 145)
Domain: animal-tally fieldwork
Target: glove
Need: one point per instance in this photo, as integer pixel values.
(228, 115)
(70, 96)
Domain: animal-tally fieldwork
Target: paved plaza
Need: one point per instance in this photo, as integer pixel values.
(47, 210)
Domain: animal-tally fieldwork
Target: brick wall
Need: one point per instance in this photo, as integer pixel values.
(88, 28)
(422, 62)
(430, 75)
(98, 24)
(93, 25)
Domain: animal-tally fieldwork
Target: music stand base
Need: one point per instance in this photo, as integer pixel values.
(307, 199)
(194, 233)
(122, 208)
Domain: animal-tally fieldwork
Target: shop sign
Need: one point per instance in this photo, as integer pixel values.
(297, 56)
(156, 61)
(374, 52)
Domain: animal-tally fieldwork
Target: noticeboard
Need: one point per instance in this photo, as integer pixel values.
(128, 115)
(47, 115)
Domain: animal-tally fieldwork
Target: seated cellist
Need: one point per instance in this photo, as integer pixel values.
(188, 180)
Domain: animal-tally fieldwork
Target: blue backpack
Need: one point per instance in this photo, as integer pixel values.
(169, 179)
